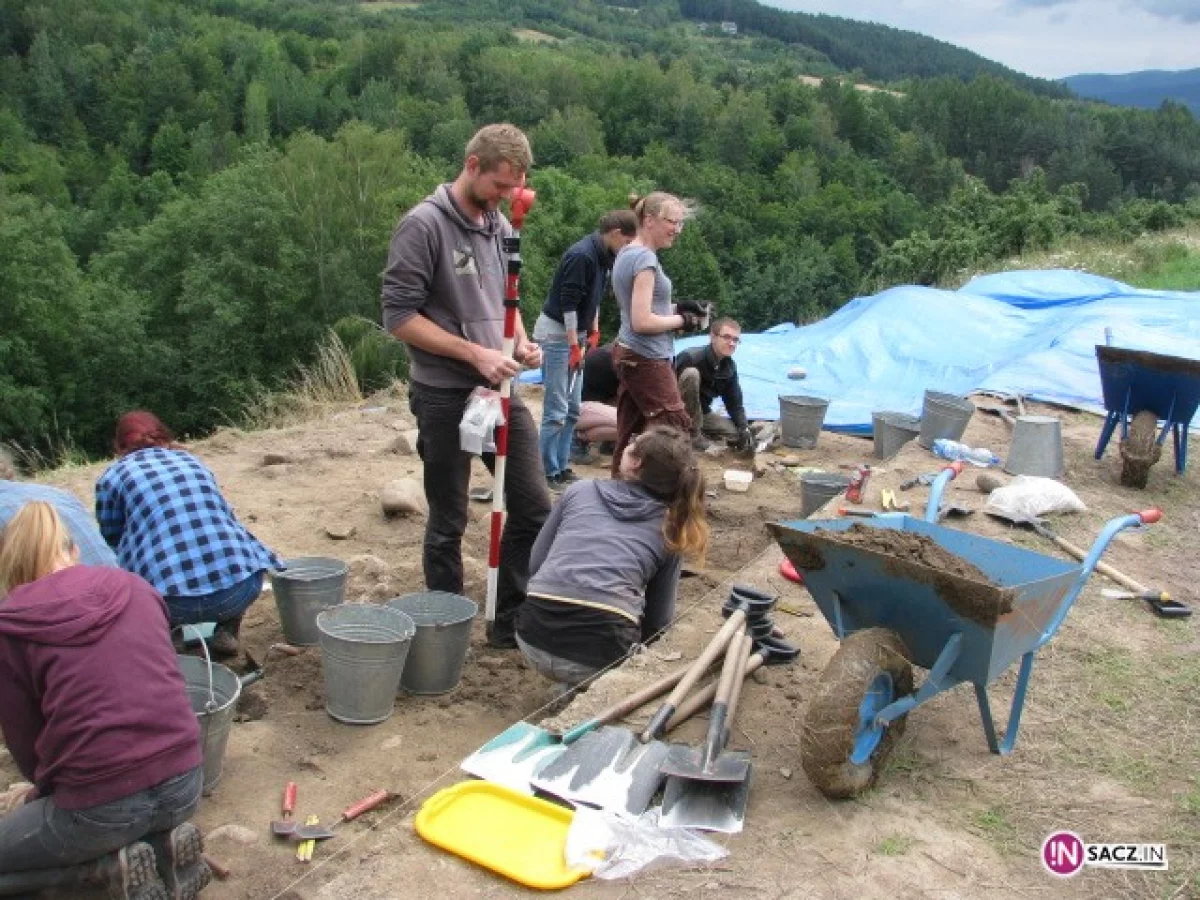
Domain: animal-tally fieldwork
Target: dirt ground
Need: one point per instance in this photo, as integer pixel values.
(1109, 746)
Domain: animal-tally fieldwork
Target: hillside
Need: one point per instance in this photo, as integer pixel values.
(1146, 90)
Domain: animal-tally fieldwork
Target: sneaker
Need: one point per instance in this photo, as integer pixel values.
(179, 855)
(554, 483)
(131, 874)
(566, 476)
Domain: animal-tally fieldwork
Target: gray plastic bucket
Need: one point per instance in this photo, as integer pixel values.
(943, 416)
(817, 489)
(363, 648)
(307, 586)
(436, 657)
(892, 430)
(1036, 447)
(213, 691)
(800, 420)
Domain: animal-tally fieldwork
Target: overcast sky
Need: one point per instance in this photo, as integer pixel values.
(1048, 38)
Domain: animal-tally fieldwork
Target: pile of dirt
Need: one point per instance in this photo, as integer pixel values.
(1140, 450)
(981, 600)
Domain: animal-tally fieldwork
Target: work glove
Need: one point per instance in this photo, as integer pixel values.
(692, 306)
(575, 359)
(593, 339)
(691, 322)
(744, 442)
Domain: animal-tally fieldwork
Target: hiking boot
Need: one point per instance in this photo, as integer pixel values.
(501, 638)
(179, 855)
(566, 476)
(554, 484)
(585, 455)
(223, 643)
(131, 874)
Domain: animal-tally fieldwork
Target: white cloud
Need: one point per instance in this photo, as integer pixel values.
(1048, 38)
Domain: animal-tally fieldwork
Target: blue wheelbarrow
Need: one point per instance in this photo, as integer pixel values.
(1136, 380)
(924, 608)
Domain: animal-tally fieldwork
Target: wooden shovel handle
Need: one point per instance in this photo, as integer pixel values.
(1102, 567)
(739, 678)
(714, 649)
(640, 698)
(703, 697)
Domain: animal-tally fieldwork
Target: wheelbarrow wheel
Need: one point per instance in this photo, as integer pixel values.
(842, 750)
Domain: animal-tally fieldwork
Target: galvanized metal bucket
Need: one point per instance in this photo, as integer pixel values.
(891, 431)
(363, 649)
(307, 586)
(943, 416)
(800, 420)
(436, 657)
(1036, 447)
(213, 691)
(817, 489)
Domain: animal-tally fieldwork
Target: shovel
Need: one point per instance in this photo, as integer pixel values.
(708, 787)
(513, 757)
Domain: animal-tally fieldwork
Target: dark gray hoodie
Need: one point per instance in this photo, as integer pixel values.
(603, 545)
(443, 266)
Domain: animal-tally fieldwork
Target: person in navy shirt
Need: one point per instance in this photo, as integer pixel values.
(160, 509)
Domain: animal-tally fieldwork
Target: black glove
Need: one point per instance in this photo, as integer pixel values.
(691, 321)
(692, 306)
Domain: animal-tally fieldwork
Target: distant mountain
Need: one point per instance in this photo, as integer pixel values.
(1144, 89)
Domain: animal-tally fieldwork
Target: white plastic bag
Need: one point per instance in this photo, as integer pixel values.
(613, 846)
(1028, 497)
(477, 430)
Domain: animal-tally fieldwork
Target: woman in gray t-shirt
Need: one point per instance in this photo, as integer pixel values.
(642, 355)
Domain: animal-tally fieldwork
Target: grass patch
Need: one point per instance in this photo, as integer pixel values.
(1191, 800)
(329, 382)
(894, 845)
(993, 824)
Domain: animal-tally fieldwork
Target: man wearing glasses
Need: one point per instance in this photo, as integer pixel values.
(708, 372)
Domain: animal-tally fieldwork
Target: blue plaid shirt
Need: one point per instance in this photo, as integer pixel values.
(162, 511)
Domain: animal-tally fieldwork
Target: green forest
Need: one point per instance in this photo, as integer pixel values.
(192, 194)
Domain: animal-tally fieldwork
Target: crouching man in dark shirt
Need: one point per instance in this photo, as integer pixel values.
(708, 372)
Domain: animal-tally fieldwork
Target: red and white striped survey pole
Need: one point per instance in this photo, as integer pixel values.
(519, 204)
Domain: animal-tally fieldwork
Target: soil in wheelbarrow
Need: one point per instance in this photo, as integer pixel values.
(980, 601)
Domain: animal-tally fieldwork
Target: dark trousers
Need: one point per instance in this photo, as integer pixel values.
(40, 835)
(447, 482)
(649, 395)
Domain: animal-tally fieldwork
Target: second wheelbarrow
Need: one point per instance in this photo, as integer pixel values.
(981, 606)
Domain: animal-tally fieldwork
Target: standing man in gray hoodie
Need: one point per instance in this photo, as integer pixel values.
(443, 296)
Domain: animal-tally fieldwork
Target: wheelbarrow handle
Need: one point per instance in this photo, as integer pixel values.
(944, 477)
(1092, 560)
(1150, 516)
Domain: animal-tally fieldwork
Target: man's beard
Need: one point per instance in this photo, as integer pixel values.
(480, 203)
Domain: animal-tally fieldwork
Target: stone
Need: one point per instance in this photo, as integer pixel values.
(786, 773)
(405, 443)
(239, 834)
(403, 497)
(339, 531)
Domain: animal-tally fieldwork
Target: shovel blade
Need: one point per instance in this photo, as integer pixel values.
(513, 757)
(705, 805)
(607, 769)
(687, 763)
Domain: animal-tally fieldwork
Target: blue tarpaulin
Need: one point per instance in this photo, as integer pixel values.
(1031, 333)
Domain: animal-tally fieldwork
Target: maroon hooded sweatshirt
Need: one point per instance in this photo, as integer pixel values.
(92, 703)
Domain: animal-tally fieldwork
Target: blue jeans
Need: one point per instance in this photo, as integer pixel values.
(219, 606)
(40, 835)
(560, 409)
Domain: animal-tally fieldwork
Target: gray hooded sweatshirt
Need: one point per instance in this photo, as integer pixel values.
(443, 266)
(603, 547)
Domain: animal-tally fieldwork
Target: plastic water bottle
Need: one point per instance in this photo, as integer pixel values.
(976, 456)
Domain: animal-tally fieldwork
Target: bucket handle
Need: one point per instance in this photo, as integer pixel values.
(211, 705)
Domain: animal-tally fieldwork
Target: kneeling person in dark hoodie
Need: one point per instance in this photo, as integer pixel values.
(605, 567)
(95, 713)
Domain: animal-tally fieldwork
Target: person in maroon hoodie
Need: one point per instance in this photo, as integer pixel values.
(95, 714)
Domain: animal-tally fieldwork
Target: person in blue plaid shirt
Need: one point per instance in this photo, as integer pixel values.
(160, 509)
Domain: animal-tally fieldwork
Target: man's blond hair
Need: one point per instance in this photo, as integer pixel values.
(494, 144)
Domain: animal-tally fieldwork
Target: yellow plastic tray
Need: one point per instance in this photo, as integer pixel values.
(520, 837)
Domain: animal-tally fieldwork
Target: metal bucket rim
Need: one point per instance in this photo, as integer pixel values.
(901, 420)
(803, 400)
(293, 569)
(326, 619)
(400, 604)
(209, 686)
